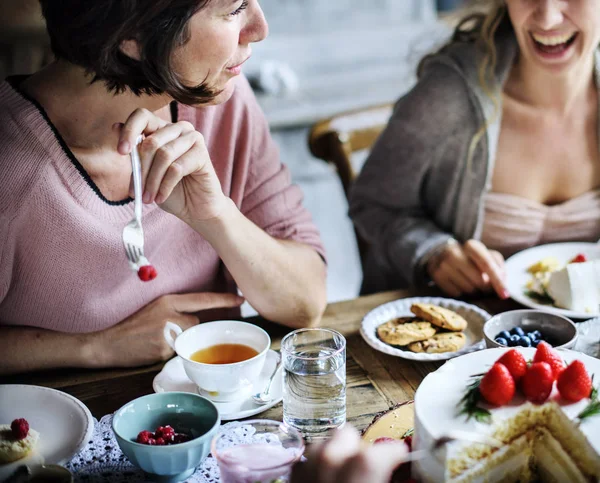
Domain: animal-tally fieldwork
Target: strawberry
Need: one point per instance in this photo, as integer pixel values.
(385, 439)
(147, 273)
(545, 353)
(497, 387)
(579, 258)
(574, 383)
(515, 363)
(19, 428)
(537, 382)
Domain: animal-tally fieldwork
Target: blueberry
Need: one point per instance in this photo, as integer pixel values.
(501, 340)
(504, 334)
(538, 334)
(513, 341)
(532, 336)
(535, 343)
(518, 331)
(525, 341)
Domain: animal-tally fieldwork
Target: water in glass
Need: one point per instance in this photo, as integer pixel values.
(314, 390)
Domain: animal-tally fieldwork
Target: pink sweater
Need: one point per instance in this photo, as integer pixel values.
(62, 261)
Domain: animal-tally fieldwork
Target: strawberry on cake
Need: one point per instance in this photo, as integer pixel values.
(16, 440)
(539, 404)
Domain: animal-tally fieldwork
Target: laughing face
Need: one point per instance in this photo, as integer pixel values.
(556, 34)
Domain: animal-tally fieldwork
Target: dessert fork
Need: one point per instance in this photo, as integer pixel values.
(458, 435)
(133, 233)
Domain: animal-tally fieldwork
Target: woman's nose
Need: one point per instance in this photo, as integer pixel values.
(256, 28)
(548, 14)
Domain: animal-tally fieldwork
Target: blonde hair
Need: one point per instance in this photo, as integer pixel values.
(480, 26)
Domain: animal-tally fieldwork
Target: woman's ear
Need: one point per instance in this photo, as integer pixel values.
(131, 49)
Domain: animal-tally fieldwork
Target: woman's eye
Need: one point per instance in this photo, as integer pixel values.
(242, 7)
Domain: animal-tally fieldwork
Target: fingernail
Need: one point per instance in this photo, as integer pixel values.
(146, 198)
(505, 294)
(116, 126)
(124, 147)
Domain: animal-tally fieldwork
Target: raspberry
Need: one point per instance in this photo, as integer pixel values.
(498, 386)
(20, 428)
(144, 436)
(160, 442)
(408, 441)
(151, 442)
(181, 438)
(147, 273)
(574, 383)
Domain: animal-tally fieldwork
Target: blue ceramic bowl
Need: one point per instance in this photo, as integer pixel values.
(185, 412)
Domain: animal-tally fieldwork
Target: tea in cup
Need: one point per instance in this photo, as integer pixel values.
(223, 358)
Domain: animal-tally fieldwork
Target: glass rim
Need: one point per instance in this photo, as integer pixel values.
(305, 358)
(266, 422)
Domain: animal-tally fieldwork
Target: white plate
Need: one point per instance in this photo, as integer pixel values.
(588, 337)
(475, 317)
(173, 378)
(517, 275)
(64, 422)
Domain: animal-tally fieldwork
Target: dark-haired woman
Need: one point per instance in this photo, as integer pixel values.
(219, 211)
(494, 150)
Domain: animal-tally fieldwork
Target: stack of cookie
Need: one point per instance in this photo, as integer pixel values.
(433, 329)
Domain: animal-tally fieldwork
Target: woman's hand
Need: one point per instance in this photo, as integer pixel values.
(177, 172)
(139, 340)
(468, 268)
(346, 459)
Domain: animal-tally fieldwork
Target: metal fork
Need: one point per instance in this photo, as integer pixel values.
(442, 441)
(133, 233)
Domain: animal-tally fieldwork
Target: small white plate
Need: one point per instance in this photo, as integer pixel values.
(64, 423)
(588, 337)
(517, 275)
(173, 378)
(474, 316)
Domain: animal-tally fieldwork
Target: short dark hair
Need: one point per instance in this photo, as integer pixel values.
(90, 33)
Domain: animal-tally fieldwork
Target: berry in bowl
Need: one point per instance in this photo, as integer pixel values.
(167, 435)
(527, 328)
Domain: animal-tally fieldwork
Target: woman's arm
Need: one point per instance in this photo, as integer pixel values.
(283, 280)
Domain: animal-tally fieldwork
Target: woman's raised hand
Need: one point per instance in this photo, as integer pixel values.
(467, 269)
(346, 459)
(177, 172)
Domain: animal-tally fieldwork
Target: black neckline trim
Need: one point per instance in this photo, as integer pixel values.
(15, 81)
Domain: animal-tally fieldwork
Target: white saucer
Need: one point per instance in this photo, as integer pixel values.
(173, 378)
(64, 423)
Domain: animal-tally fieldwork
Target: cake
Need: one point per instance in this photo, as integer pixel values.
(537, 442)
(13, 446)
(576, 286)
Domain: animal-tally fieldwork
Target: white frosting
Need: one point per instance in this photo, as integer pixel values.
(577, 286)
(437, 406)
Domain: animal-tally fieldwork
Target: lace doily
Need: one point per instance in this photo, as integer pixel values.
(103, 461)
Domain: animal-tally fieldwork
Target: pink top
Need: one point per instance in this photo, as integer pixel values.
(512, 223)
(62, 261)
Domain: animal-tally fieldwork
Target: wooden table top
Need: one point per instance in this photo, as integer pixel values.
(375, 381)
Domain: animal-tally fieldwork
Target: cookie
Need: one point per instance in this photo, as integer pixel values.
(399, 332)
(439, 316)
(442, 342)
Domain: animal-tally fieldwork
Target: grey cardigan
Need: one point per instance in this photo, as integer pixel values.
(415, 191)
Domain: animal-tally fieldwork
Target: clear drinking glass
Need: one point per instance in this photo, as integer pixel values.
(257, 451)
(314, 389)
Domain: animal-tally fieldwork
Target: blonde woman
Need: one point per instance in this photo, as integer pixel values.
(493, 151)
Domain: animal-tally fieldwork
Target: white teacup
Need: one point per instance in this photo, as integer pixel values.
(220, 382)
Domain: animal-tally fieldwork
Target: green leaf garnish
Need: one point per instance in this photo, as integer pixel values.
(540, 298)
(409, 432)
(470, 403)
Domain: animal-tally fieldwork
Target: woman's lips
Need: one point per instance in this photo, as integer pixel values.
(553, 47)
(237, 69)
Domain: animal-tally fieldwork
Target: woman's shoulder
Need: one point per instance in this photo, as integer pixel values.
(22, 156)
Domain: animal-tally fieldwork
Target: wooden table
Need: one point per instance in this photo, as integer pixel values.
(375, 381)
